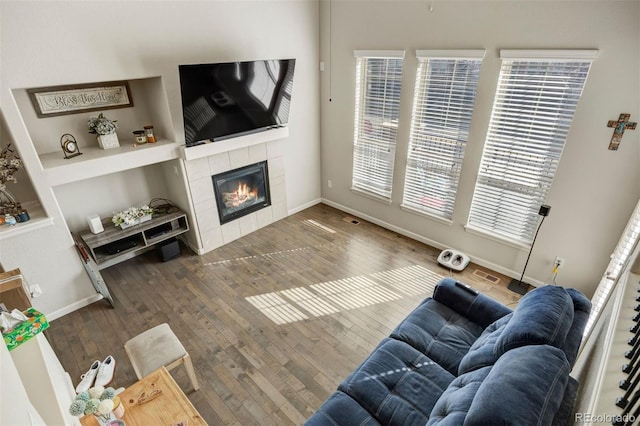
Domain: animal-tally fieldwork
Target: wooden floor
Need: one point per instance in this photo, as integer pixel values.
(251, 369)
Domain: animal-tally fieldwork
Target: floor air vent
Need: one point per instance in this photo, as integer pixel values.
(351, 220)
(486, 276)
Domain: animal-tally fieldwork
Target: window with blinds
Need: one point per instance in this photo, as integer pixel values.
(535, 101)
(378, 83)
(443, 100)
(619, 259)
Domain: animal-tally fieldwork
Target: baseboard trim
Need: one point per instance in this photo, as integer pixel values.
(433, 243)
(305, 206)
(190, 246)
(73, 307)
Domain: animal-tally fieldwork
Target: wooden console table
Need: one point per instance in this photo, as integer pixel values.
(115, 245)
(169, 408)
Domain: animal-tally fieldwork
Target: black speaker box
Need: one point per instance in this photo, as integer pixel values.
(168, 249)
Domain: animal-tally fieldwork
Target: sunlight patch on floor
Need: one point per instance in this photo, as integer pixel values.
(349, 293)
(270, 255)
(276, 308)
(356, 292)
(412, 280)
(316, 305)
(317, 225)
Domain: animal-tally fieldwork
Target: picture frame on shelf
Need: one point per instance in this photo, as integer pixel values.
(75, 98)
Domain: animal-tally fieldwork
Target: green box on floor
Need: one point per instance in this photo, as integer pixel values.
(35, 323)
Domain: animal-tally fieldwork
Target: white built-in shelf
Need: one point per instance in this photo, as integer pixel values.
(38, 220)
(95, 161)
(218, 147)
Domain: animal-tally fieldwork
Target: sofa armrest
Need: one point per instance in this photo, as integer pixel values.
(468, 302)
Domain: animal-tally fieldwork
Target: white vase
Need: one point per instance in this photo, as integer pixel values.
(108, 141)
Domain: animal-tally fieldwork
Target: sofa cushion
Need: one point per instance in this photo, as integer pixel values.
(397, 384)
(437, 331)
(341, 409)
(525, 386)
(482, 353)
(543, 317)
(453, 405)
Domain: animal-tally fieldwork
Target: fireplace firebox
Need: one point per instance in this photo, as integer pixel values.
(242, 191)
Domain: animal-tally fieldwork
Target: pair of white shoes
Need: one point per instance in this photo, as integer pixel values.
(99, 374)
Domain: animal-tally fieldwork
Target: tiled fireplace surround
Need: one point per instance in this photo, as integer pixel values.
(208, 231)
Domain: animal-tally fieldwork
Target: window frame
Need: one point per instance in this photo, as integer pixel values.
(516, 188)
(438, 136)
(382, 135)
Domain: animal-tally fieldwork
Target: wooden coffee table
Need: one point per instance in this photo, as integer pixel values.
(170, 407)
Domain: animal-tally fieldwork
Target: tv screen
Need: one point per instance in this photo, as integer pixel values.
(230, 99)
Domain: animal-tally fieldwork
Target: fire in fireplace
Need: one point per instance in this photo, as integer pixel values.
(242, 191)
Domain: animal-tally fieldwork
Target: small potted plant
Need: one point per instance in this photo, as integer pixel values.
(106, 131)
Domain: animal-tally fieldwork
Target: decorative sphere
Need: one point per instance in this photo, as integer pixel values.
(77, 408)
(108, 393)
(96, 391)
(83, 396)
(92, 406)
(105, 406)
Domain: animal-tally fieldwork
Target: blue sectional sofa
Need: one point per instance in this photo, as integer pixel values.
(462, 357)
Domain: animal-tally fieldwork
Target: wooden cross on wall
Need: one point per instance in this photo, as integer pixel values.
(618, 130)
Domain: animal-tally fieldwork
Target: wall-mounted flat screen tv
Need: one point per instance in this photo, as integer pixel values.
(224, 100)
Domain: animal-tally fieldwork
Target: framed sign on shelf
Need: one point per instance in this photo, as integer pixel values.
(75, 98)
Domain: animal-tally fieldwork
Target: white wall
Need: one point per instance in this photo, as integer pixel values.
(66, 42)
(15, 406)
(111, 193)
(595, 189)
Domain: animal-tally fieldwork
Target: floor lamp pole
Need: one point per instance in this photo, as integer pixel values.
(520, 286)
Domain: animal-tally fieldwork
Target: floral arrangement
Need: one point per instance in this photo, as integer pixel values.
(97, 401)
(101, 125)
(131, 215)
(10, 163)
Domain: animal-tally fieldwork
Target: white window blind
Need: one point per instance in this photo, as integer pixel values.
(443, 101)
(533, 109)
(626, 245)
(378, 83)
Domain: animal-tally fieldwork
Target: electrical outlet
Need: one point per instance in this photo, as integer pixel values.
(559, 262)
(35, 290)
(329, 184)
